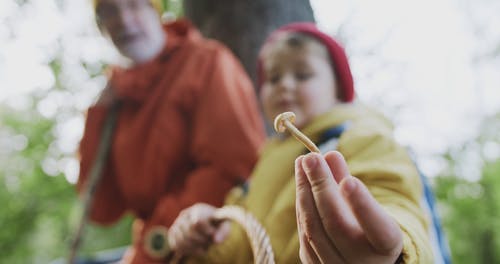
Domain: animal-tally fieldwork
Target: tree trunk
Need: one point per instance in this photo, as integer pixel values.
(243, 25)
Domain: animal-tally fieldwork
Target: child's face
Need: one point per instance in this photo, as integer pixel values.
(297, 80)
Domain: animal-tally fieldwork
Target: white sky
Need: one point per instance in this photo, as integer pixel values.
(415, 60)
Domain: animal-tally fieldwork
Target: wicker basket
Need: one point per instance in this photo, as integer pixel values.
(259, 240)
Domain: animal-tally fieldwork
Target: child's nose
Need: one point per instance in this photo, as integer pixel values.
(287, 82)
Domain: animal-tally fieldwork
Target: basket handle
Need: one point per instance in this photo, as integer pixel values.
(259, 240)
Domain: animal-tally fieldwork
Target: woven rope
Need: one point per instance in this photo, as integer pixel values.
(259, 240)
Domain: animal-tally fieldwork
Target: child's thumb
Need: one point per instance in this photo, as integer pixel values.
(222, 232)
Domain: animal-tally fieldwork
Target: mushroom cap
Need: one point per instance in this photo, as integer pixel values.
(279, 121)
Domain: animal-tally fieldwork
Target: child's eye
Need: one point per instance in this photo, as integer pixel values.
(274, 78)
(303, 76)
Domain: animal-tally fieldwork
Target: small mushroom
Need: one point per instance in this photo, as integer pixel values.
(284, 121)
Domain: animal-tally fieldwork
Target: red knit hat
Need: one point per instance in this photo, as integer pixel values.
(336, 52)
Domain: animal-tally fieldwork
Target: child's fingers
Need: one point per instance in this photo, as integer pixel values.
(334, 213)
(337, 165)
(380, 229)
(194, 237)
(315, 242)
(317, 245)
(204, 226)
(193, 243)
(192, 229)
(222, 232)
(187, 239)
(308, 219)
(306, 252)
(176, 239)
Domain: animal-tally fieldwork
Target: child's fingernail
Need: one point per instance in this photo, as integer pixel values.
(310, 162)
(298, 160)
(349, 185)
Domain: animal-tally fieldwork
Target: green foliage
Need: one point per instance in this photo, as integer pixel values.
(33, 200)
(470, 215)
(40, 208)
(173, 6)
(35, 218)
(470, 210)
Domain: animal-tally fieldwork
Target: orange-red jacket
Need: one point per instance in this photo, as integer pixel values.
(188, 130)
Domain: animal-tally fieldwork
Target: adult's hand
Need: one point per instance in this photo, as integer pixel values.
(194, 230)
(338, 219)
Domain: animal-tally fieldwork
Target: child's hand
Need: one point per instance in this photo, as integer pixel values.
(194, 230)
(341, 223)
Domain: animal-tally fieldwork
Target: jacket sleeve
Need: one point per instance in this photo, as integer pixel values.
(107, 206)
(227, 133)
(390, 175)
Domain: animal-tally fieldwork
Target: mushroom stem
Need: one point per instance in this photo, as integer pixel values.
(301, 137)
(285, 120)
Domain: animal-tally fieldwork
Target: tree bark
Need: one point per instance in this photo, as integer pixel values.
(243, 25)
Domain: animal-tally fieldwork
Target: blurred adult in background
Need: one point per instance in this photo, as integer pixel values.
(188, 127)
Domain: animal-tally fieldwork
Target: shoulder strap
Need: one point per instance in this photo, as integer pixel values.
(439, 242)
(329, 138)
(95, 176)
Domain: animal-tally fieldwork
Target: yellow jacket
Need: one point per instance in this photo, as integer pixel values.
(372, 155)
